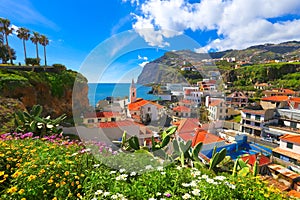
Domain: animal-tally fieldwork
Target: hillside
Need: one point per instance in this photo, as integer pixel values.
(52, 90)
(167, 68)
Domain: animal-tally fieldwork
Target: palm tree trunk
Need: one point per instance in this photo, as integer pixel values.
(37, 51)
(45, 55)
(9, 52)
(24, 45)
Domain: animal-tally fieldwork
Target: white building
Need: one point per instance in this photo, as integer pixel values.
(216, 108)
(289, 149)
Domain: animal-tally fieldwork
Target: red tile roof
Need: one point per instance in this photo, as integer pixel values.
(142, 102)
(116, 124)
(252, 158)
(215, 102)
(287, 153)
(101, 114)
(188, 125)
(280, 91)
(276, 98)
(205, 137)
(291, 138)
(294, 193)
(185, 101)
(182, 109)
(255, 112)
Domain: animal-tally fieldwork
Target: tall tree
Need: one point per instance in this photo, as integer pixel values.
(44, 42)
(23, 34)
(35, 39)
(6, 30)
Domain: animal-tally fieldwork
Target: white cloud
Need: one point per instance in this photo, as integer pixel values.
(137, 2)
(142, 58)
(238, 23)
(143, 63)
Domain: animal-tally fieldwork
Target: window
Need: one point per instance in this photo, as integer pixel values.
(257, 117)
(90, 120)
(149, 109)
(221, 110)
(289, 145)
(248, 116)
(257, 124)
(293, 125)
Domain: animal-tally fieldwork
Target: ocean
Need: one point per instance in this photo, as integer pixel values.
(99, 91)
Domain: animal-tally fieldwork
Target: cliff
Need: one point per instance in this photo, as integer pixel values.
(52, 90)
(167, 69)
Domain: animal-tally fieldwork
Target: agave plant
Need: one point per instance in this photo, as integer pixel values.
(242, 168)
(33, 122)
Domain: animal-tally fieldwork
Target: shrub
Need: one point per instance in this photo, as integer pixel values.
(33, 61)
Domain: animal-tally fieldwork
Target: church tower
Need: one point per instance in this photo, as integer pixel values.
(132, 92)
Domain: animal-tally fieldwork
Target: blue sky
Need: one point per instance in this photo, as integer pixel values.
(110, 41)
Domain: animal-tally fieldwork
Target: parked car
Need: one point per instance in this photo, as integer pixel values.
(267, 139)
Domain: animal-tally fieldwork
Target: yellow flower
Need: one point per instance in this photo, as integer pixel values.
(70, 194)
(1, 154)
(76, 177)
(67, 173)
(42, 171)
(18, 165)
(79, 186)
(45, 191)
(50, 181)
(23, 198)
(16, 174)
(72, 183)
(12, 190)
(1, 173)
(54, 198)
(57, 175)
(57, 185)
(9, 159)
(63, 183)
(77, 182)
(31, 177)
(21, 191)
(79, 195)
(52, 163)
(1, 181)
(82, 175)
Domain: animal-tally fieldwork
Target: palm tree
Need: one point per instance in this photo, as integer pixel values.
(23, 34)
(6, 30)
(44, 42)
(35, 40)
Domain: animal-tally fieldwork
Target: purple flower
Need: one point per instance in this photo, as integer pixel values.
(168, 195)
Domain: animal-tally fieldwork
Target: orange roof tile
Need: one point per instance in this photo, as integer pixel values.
(182, 109)
(287, 153)
(205, 137)
(252, 158)
(188, 125)
(291, 138)
(116, 124)
(294, 193)
(275, 98)
(142, 102)
(255, 112)
(215, 102)
(185, 101)
(101, 114)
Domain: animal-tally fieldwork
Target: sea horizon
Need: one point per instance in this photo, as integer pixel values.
(99, 91)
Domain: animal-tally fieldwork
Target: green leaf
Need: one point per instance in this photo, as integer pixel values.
(165, 142)
(134, 143)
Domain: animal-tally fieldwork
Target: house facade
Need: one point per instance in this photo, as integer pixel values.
(255, 118)
(217, 109)
(237, 99)
(289, 149)
(96, 117)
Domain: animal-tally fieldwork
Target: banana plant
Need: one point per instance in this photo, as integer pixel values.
(33, 122)
(217, 157)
